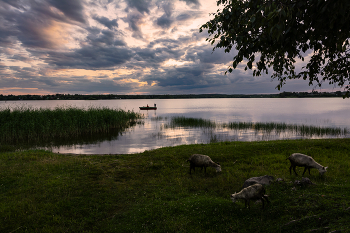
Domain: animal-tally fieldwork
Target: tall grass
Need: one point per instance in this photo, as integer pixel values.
(190, 122)
(32, 124)
(266, 127)
(303, 130)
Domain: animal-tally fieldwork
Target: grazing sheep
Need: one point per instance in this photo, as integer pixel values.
(253, 192)
(197, 160)
(264, 180)
(306, 161)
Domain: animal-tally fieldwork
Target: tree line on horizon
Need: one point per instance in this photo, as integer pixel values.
(169, 96)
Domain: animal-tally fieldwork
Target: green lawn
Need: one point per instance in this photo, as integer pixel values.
(153, 191)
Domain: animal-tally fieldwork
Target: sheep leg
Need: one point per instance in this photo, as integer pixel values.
(305, 171)
(309, 171)
(267, 200)
(205, 169)
(265, 196)
(295, 171)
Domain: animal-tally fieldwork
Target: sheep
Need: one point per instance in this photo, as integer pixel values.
(198, 160)
(253, 192)
(306, 161)
(264, 180)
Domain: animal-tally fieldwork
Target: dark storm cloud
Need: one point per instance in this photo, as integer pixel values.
(214, 57)
(15, 3)
(166, 20)
(5, 37)
(106, 22)
(7, 25)
(31, 32)
(192, 68)
(153, 58)
(83, 85)
(90, 57)
(72, 84)
(167, 42)
(27, 24)
(99, 37)
(18, 57)
(192, 2)
(72, 9)
(188, 15)
(103, 3)
(134, 20)
(186, 77)
(141, 5)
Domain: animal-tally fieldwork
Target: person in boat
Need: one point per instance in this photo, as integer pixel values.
(147, 105)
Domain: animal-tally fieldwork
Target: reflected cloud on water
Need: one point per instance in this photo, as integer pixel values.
(162, 132)
(256, 120)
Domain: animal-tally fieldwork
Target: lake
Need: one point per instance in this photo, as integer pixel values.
(255, 117)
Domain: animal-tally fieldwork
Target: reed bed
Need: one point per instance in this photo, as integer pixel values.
(190, 122)
(35, 124)
(303, 130)
(266, 127)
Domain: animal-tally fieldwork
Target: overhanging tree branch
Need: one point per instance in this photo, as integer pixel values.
(281, 31)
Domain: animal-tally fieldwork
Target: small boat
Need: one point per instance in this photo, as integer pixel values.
(148, 107)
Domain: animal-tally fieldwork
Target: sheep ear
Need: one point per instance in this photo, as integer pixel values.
(325, 168)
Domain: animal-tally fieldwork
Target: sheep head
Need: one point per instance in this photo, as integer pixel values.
(322, 170)
(234, 197)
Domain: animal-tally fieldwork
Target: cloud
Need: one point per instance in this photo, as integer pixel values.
(166, 20)
(124, 46)
(141, 5)
(72, 9)
(90, 57)
(106, 22)
(195, 3)
(99, 37)
(14, 3)
(134, 20)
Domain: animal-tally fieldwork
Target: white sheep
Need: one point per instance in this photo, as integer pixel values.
(198, 160)
(306, 161)
(253, 192)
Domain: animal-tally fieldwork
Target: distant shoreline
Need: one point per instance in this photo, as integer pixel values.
(168, 96)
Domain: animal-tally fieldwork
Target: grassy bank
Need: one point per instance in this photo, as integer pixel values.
(38, 125)
(153, 192)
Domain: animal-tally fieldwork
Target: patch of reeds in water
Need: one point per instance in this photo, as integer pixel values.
(29, 124)
(303, 130)
(266, 127)
(190, 122)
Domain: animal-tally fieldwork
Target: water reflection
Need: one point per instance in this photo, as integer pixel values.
(156, 130)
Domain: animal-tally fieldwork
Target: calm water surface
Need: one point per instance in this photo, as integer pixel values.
(319, 112)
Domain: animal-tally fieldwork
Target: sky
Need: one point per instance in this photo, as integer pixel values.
(119, 47)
